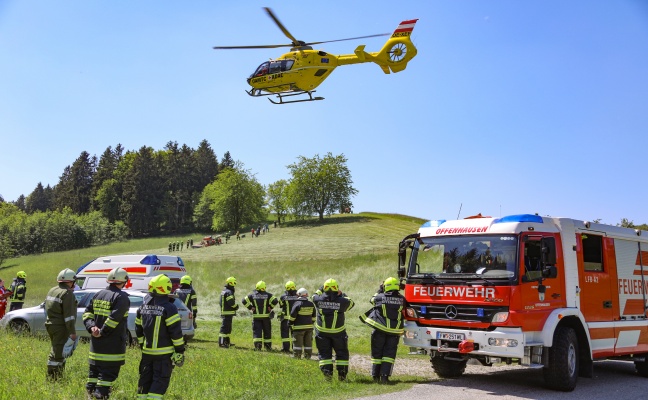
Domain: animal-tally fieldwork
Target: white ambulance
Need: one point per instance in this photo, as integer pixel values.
(140, 268)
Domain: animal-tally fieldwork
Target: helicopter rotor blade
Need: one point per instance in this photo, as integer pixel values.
(353, 38)
(282, 27)
(264, 46)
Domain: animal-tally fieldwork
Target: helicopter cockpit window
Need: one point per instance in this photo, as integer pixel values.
(286, 65)
(262, 70)
(275, 66)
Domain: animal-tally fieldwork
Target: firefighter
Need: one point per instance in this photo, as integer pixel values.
(4, 294)
(61, 311)
(187, 295)
(286, 302)
(170, 247)
(330, 332)
(18, 291)
(261, 304)
(302, 317)
(228, 311)
(159, 333)
(105, 319)
(386, 317)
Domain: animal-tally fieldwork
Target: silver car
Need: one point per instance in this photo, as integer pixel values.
(32, 319)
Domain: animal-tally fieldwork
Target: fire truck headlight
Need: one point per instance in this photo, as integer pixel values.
(411, 335)
(410, 312)
(500, 317)
(500, 342)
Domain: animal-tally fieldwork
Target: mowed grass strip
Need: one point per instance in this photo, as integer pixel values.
(358, 250)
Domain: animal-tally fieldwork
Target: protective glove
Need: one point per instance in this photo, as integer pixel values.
(69, 347)
(272, 314)
(280, 316)
(178, 359)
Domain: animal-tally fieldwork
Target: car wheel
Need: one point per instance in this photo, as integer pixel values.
(19, 326)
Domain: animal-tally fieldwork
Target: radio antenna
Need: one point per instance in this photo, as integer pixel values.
(459, 213)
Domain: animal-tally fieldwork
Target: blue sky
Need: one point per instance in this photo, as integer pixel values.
(509, 107)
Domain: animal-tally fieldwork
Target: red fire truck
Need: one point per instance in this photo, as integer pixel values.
(544, 292)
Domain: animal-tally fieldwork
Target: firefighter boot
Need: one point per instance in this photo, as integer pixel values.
(268, 346)
(54, 372)
(227, 342)
(257, 346)
(384, 379)
(375, 372)
(222, 342)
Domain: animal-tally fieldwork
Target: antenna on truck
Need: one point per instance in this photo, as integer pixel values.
(460, 205)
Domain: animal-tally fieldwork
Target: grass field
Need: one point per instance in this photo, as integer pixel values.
(358, 250)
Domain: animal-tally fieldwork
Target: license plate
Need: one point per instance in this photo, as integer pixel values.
(457, 337)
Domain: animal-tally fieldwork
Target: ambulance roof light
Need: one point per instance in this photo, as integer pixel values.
(151, 259)
(519, 218)
(433, 223)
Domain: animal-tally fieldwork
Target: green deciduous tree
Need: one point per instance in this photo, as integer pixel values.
(320, 185)
(277, 195)
(234, 199)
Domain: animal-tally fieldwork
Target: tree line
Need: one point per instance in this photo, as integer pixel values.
(177, 189)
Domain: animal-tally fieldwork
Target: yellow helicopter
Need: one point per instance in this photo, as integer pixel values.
(303, 69)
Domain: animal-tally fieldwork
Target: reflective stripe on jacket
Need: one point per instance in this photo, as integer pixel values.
(330, 307)
(61, 308)
(260, 303)
(228, 302)
(159, 327)
(302, 314)
(387, 313)
(108, 311)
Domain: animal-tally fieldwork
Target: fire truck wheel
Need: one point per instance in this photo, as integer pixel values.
(562, 371)
(446, 368)
(642, 368)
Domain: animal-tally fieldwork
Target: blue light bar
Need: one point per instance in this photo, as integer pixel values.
(480, 312)
(433, 223)
(151, 259)
(180, 263)
(519, 218)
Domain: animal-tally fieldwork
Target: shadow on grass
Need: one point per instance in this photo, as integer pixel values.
(3, 267)
(349, 219)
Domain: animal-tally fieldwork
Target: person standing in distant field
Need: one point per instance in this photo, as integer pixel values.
(302, 317)
(286, 302)
(170, 247)
(61, 312)
(4, 293)
(386, 317)
(105, 319)
(228, 312)
(238, 235)
(261, 304)
(18, 291)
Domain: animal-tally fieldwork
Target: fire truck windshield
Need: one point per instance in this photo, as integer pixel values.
(467, 257)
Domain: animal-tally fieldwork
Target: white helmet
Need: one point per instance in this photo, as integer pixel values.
(117, 275)
(67, 275)
(302, 292)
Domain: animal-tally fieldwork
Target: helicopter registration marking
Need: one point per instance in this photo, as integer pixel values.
(400, 34)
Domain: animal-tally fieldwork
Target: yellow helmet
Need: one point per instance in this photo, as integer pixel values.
(185, 280)
(391, 284)
(67, 275)
(160, 284)
(117, 275)
(331, 285)
(290, 285)
(21, 274)
(261, 286)
(231, 281)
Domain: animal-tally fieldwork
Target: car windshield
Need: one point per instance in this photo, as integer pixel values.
(470, 257)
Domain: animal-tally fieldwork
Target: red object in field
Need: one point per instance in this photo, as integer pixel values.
(466, 346)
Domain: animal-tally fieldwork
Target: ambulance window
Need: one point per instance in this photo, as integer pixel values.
(592, 252)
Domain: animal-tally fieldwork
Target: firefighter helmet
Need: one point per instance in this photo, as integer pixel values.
(231, 281)
(331, 285)
(391, 284)
(160, 284)
(261, 286)
(302, 292)
(117, 275)
(67, 275)
(185, 280)
(290, 285)
(21, 274)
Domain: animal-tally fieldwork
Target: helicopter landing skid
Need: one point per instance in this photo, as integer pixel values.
(281, 97)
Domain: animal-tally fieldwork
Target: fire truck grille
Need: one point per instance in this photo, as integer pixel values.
(457, 312)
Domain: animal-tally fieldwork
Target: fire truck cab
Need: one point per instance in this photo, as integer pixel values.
(544, 292)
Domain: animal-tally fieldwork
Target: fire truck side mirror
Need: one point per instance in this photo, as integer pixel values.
(401, 272)
(401, 257)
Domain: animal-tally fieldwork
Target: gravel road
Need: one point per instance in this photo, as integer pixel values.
(612, 380)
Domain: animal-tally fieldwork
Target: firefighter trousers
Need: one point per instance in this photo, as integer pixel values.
(325, 347)
(155, 376)
(383, 353)
(285, 335)
(303, 341)
(262, 333)
(225, 331)
(56, 362)
(101, 379)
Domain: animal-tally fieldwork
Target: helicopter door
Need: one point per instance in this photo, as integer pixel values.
(262, 70)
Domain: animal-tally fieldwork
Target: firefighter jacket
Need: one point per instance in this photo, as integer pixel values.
(158, 327)
(302, 314)
(260, 303)
(286, 302)
(18, 290)
(227, 301)
(330, 307)
(187, 295)
(61, 308)
(108, 311)
(387, 313)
